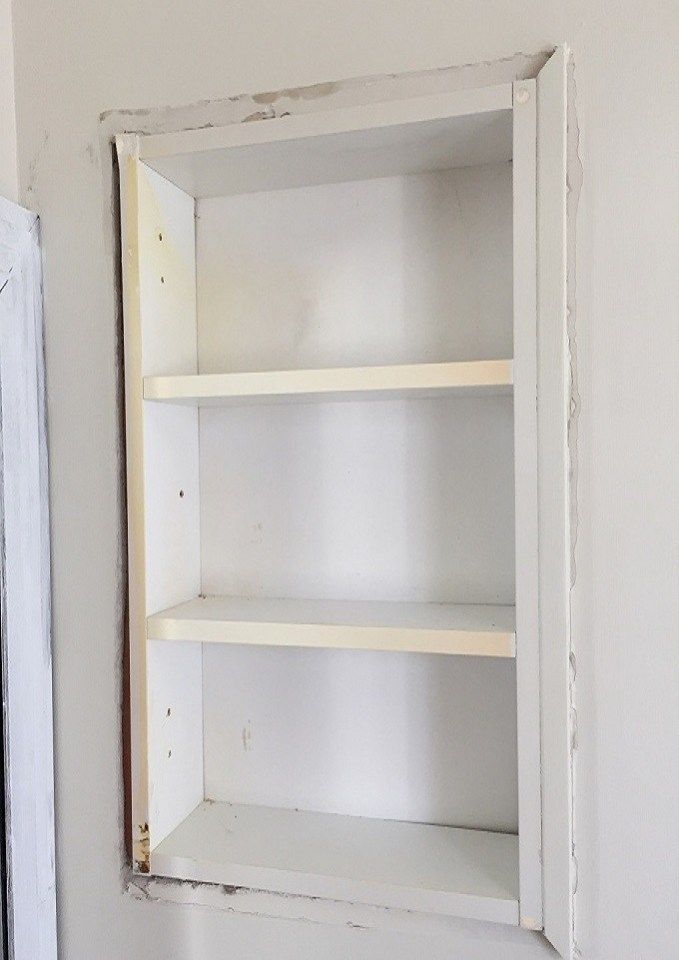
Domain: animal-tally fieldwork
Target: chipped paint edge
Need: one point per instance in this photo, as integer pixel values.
(355, 91)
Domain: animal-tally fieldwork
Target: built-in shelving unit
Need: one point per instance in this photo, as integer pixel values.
(335, 608)
(467, 629)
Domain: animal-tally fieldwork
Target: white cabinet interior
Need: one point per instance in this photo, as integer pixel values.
(332, 443)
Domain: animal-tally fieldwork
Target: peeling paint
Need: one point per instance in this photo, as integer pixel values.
(245, 107)
(260, 115)
(246, 737)
(142, 849)
(313, 92)
(574, 730)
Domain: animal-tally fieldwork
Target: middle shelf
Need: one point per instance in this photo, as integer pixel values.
(469, 378)
(477, 630)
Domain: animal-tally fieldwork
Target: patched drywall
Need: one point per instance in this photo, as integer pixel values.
(77, 62)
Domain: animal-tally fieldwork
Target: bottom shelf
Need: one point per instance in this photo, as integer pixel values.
(388, 863)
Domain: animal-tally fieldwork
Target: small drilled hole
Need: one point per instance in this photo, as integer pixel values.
(181, 493)
(160, 236)
(162, 279)
(169, 711)
(169, 753)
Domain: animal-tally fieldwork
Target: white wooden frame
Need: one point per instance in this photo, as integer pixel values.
(553, 506)
(25, 597)
(540, 393)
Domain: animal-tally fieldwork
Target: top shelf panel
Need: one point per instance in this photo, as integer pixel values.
(457, 129)
(470, 378)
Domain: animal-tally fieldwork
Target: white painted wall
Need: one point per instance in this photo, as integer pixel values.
(9, 180)
(74, 61)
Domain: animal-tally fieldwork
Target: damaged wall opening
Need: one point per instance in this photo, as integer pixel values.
(331, 376)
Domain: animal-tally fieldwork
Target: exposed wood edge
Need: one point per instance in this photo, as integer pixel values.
(127, 149)
(459, 103)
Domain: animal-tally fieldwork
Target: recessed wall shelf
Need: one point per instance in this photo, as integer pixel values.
(399, 736)
(472, 630)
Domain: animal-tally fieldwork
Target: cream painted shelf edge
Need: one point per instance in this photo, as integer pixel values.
(388, 863)
(477, 630)
(424, 379)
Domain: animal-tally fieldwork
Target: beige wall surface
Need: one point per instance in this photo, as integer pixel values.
(76, 60)
(9, 184)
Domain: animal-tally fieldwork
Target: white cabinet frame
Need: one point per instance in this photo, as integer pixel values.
(194, 160)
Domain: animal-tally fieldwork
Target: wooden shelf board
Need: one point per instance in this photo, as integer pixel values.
(388, 863)
(445, 628)
(479, 377)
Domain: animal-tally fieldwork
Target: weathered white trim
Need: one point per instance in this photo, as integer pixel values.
(553, 495)
(526, 502)
(25, 594)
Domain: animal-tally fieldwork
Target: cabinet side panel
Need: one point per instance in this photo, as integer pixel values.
(160, 325)
(167, 275)
(526, 504)
(136, 539)
(175, 734)
(553, 494)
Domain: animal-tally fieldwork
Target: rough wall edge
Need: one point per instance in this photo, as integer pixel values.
(247, 108)
(307, 99)
(315, 910)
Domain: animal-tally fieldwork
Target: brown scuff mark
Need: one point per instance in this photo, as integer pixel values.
(315, 91)
(142, 849)
(246, 737)
(34, 165)
(150, 112)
